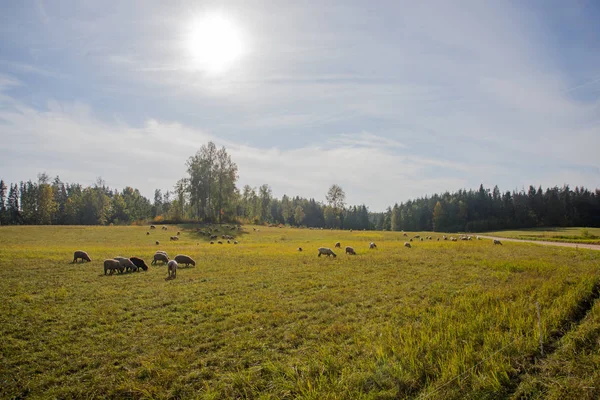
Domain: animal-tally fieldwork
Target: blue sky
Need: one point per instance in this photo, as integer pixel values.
(391, 100)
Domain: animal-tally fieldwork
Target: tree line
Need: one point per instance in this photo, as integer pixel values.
(488, 210)
(209, 194)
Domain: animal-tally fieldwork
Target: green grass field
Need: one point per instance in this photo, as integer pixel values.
(567, 235)
(261, 320)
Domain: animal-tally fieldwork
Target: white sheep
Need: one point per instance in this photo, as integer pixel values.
(406, 244)
(172, 269)
(126, 263)
(372, 245)
(112, 266)
(160, 257)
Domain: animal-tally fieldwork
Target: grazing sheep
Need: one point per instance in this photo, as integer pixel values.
(338, 245)
(183, 259)
(410, 239)
(299, 248)
(139, 263)
(157, 242)
(178, 233)
(445, 237)
(220, 242)
(147, 233)
(372, 245)
(421, 239)
(496, 241)
(327, 251)
(112, 266)
(160, 257)
(152, 227)
(406, 244)
(453, 239)
(417, 236)
(126, 263)
(172, 269)
(405, 234)
(228, 242)
(350, 250)
(235, 242)
(213, 237)
(211, 242)
(162, 251)
(81, 254)
(438, 239)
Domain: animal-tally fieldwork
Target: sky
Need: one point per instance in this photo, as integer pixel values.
(391, 100)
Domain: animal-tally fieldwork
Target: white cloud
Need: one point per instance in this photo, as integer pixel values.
(391, 103)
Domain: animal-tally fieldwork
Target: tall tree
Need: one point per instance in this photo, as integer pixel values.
(3, 213)
(264, 196)
(438, 217)
(299, 215)
(13, 206)
(226, 176)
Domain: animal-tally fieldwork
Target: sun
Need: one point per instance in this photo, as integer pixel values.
(215, 43)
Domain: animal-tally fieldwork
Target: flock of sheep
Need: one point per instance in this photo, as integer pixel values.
(135, 264)
(350, 250)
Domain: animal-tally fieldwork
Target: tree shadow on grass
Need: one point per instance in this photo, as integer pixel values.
(204, 232)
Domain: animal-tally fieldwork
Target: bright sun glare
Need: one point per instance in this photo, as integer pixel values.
(215, 43)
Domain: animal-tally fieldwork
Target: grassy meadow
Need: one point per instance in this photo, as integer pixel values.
(567, 235)
(261, 320)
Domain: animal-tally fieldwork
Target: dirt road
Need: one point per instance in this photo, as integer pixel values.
(560, 244)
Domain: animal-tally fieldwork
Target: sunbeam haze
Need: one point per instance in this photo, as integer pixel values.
(391, 100)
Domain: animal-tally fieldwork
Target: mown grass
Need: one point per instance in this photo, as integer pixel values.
(442, 320)
(567, 235)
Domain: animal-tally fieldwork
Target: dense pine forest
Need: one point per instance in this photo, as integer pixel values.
(209, 193)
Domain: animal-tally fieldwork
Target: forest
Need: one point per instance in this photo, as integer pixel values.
(209, 194)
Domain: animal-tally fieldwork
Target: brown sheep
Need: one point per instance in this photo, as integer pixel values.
(299, 248)
(174, 238)
(338, 245)
(139, 263)
(350, 250)
(183, 259)
(372, 245)
(81, 254)
(147, 233)
(157, 242)
(496, 241)
(406, 244)
(327, 251)
(178, 233)
(152, 227)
